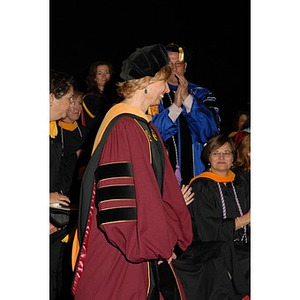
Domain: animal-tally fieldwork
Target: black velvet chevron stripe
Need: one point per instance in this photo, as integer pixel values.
(115, 192)
(117, 214)
(113, 170)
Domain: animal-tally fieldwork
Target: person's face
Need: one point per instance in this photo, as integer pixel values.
(102, 75)
(75, 109)
(242, 120)
(221, 160)
(156, 91)
(176, 66)
(60, 106)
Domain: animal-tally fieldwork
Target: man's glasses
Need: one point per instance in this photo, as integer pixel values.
(178, 64)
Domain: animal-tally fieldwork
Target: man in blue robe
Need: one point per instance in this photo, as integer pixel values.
(188, 117)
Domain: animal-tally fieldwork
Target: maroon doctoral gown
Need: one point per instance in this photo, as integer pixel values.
(132, 214)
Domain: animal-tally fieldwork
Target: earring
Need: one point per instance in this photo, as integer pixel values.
(145, 91)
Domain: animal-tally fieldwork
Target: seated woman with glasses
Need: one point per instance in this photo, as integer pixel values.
(220, 216)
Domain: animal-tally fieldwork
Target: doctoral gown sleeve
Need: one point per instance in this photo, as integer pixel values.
(208, 98)
(206, 213)
(201, 122)
(159, 223)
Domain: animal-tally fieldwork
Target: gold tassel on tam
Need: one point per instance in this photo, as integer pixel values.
(181, 54)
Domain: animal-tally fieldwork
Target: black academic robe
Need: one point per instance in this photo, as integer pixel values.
(95, 106)
(71, 139)
(217, 264)
(54, 162)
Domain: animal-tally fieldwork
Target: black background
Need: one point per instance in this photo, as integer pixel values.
(217, 33)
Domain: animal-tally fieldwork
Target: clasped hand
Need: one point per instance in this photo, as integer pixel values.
(182, 90)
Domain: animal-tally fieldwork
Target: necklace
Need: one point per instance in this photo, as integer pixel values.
(177, 170)
(244, 236)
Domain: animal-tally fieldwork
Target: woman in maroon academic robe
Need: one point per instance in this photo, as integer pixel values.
(132, 212)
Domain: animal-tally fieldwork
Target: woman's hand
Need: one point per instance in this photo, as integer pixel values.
(247, 217)
(59, 198)
(173, 257)
(52, 228)
(187, 193)
(242, 221)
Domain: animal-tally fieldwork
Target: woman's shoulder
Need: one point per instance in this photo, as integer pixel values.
(126, 123)
(93, 94)
(202, 183)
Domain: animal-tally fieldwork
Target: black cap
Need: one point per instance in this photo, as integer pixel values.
(146, 61)
(184, 52)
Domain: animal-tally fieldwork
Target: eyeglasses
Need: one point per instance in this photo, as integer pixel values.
(218, 154)
(176, 64)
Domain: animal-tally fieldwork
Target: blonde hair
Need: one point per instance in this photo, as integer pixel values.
(127, 88)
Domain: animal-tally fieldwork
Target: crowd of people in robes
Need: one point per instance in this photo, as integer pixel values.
(149, 199)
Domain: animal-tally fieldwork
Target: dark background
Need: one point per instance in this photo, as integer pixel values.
(217, 33)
